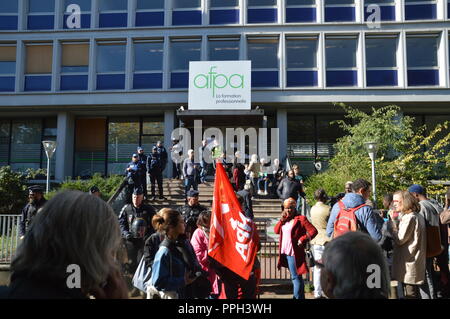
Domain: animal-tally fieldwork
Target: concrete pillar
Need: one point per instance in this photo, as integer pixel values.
(169, 125)
(282, 135)
(65, 145)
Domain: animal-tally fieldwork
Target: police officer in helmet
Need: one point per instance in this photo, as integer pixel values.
(135, 226)
(35, 202)
(191, 211)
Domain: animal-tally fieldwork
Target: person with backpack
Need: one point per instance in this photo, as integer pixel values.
(410, 244)
(352, 213)
(295, 231)
(430, 210)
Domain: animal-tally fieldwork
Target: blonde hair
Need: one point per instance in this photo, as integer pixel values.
(72, 228)
(410, 203)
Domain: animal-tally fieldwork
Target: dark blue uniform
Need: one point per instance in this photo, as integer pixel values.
(135, 246)
(143, 172)
(155, 169)
(133, 178)
(163, 156)
(28, 213)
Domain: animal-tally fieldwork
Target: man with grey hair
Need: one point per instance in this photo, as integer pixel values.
(190, 169)
(353, 267)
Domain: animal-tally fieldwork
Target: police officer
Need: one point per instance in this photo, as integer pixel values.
(94, 190)
(35, 202)
(133, 178)
(143, 169)
(135, 222)
(162, 154)
(155, 169)
(191, 211)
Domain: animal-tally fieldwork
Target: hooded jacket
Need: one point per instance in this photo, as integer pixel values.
(368, 221)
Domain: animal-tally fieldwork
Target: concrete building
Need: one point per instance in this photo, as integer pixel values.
(115, 78)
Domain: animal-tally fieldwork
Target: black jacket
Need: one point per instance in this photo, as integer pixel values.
(248, 206)
(190, 215)
(142, 164)
(154, 163)
(163, 156)
(289, 188)
(28, 213)
(129, 213)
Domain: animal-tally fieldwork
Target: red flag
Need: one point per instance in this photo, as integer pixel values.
(233, 239)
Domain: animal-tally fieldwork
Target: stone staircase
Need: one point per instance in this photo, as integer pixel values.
(264, 208)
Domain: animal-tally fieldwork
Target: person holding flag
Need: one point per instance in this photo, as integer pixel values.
(233, 240)
(295, 230)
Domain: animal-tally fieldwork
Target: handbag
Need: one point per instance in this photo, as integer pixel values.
(142, 276)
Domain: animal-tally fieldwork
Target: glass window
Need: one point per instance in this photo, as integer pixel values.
(153, 126)
(75, 57)
(381, 52)
(7, 59)
(339, 2)
(260, 3)
(183, 4)
(39, 59)
(301, 53)
(123, 139)
(35, 6)
(113, 5)
(341, 52)
(26, 144)
(148, 56)
(111, 57)
(150, 4)
(4, 142)
(367, 2)
(300, 2)
(263, 53)
(182, 52)
(224, 3)
(10, 6)
(223, 50)
(85, 5)
(422, 51)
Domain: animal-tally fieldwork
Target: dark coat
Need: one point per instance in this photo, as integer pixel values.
(190, 215)
(129, 213)
(301, 229)
(28, 213)
(248, 206)
(163, 156)
(289, 188)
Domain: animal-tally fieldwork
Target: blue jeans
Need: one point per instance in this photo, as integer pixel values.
(266, 183)
(297, 280)
(190, 182)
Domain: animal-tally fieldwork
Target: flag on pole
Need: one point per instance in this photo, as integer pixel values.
(233, 239)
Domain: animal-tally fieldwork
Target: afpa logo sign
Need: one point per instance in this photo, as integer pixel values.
(214, 80)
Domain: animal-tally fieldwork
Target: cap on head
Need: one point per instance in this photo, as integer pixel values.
(135, 155)
(192, 193)
(289, 202)
(159, 142)
(94, 189)
(154, 148)
(415, 188)
(35, 189)
(138, 191)
(140, 149)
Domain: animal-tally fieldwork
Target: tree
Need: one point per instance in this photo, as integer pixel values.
(406, 154)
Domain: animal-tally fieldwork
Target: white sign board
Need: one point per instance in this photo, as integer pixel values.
(220, 85)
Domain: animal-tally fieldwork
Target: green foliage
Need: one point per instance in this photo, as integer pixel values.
(406, 154)
(107, 185)
(13, 195)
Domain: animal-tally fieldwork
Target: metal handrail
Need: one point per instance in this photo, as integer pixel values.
(9, 237)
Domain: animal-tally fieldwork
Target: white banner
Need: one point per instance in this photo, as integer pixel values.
(220, 85)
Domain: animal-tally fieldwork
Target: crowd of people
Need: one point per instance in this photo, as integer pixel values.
(342, 239)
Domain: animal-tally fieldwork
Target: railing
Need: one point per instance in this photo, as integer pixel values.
(9, 237)
(119, 198)
(268, 257)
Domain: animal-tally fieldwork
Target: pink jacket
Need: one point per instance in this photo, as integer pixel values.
(199, 242)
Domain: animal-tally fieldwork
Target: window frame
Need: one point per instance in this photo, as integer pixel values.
(9, 44)
(176, 39)
(305, 37)
(230, 38)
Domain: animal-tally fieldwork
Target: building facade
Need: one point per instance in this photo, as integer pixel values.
(102, 80)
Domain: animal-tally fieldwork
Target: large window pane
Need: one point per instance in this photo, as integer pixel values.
(223, 50)
(153, 127)
(301, 53)
(148, 56)
(180, 4)
(26, 144)
(263, 53)
(107, 5)
(300, 2)
(39, 59)
(10, 6)
(90, 150)
(110, 58)
(183, 52)
(341, 53)
(150, 4)
(7, 59)
(85, 5)
(381, 52)
(75, 57)
(255, 3)
(4, 142)
(40, 6)
(123, 139)
(422, 51)
(224, 3)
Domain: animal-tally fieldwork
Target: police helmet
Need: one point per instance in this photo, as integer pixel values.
(138, 228)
